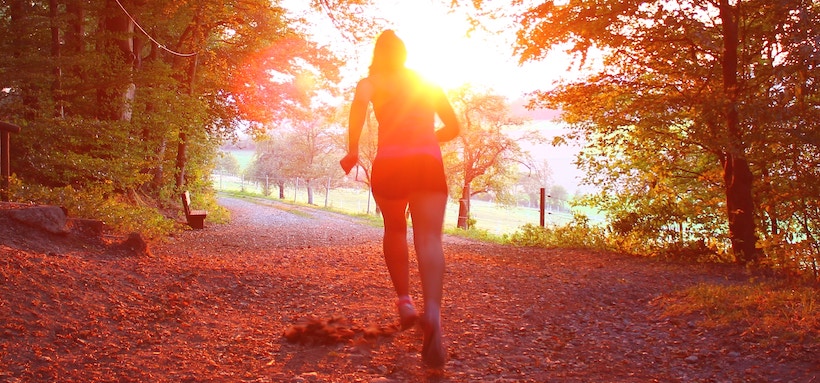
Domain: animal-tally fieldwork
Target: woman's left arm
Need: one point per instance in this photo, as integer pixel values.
(445, 112)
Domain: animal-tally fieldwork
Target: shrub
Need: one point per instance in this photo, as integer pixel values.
(578, 233)
(114, 210)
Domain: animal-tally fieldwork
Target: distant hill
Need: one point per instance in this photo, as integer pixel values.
(519, 108)
(561, 159)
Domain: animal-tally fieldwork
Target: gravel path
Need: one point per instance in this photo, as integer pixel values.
(512, 314)
(214, 305)
(275, 224)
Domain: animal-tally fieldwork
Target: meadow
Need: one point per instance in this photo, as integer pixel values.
(494, 218)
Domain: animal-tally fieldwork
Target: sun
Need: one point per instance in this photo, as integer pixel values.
(446, 61)
(439, 48)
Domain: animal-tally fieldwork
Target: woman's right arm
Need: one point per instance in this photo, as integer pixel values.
(355, 123)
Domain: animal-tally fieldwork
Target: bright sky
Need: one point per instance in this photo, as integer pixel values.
(439, 47)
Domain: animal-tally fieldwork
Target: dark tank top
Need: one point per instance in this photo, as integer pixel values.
(406, 116)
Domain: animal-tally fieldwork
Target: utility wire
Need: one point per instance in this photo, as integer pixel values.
(151, 38)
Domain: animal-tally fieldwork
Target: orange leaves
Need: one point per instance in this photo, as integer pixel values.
(316, 331)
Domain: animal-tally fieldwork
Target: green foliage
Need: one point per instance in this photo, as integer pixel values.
(471, 221)
(476, 234)
(794, 259)
(227, 163)
(576, 234)
(122, 216)
(78, 152)
(110, 118)
(672, 119)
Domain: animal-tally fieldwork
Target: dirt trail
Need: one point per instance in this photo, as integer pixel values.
(213, 305)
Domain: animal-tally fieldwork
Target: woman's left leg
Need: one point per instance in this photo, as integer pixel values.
(396, 256)
(395, 242)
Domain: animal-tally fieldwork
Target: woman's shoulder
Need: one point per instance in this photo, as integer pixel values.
(422, 83)
(407, 81)
(366, 84)
(366, 81)
(405, 75)
(417, 78)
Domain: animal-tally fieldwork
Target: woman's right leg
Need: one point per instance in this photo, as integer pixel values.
(395, 242)
(427, 211)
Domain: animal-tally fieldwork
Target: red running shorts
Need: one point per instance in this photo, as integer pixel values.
(399, 177)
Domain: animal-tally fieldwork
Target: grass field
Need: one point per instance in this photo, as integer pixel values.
(244, 157)
(489, 216)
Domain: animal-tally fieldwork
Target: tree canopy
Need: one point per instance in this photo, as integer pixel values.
(484, 158)
(137, 94)
(700, 118)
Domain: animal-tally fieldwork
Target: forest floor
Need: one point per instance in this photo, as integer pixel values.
(214, 305)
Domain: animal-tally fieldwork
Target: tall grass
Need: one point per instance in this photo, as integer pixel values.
(764, 311)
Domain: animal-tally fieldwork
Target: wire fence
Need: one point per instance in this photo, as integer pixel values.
(495, 218)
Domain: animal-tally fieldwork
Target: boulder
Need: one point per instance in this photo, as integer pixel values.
(49, 218)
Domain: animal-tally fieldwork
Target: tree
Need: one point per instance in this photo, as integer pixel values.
(227, 163)
(687, 88)
(169, 80)
(483, 159)
(312, 150)
(269, 164)
(539, 176)
(301, 149)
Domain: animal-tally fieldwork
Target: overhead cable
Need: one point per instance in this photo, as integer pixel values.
(160, 45)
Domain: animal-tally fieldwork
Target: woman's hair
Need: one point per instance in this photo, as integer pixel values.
(389, 54)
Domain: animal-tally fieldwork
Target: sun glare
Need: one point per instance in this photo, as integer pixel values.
(439, 48)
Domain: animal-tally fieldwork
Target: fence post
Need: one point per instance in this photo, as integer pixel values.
(543, 206)
(5, 158)
(369, 192)
(327, 191)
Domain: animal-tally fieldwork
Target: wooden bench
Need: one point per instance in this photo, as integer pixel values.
(196, 218)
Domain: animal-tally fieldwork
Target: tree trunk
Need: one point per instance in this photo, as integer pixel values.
(266, 187)
(737, 175)
(182, 158)
(19, 11)
(309, 185)
(740, 208)
(159, 171)
(464, 208)
(57, 85)
(182, 146)
(75, 33)
(115, 100)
